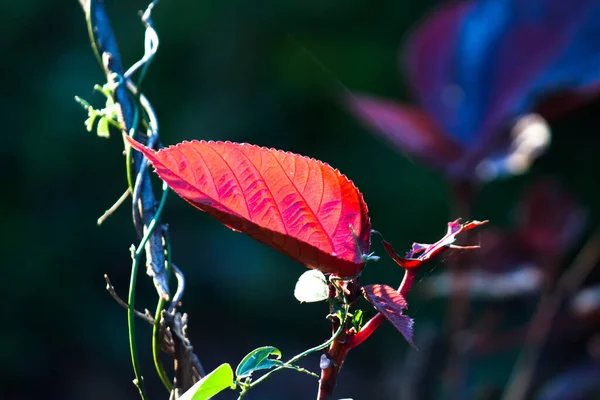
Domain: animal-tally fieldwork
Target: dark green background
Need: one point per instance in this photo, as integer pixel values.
(269, 73)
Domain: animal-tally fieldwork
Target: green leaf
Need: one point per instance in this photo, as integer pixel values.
(89, 123)
(258, 359)
(357, 320)
(339, 311)
(311, 287)
(218, 380)
(102, 128)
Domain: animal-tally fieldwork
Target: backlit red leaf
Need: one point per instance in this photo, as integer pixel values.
(391, 304)
(419, 254)
(297, 205)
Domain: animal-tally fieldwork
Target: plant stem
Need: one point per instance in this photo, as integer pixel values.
(342, 344)
(131, 297)
(156, 327)
(139, 380)
(289, 363)
(336, 355)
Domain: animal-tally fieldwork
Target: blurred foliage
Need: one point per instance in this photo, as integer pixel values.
(269, 73)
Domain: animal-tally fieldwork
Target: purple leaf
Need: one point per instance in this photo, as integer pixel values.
(391, 304)
(407, 128)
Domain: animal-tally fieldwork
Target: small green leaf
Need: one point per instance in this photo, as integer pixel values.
(339, 311)
(89, 123)
(102, 128)
(258, 359)
(311, 287)
(218, 380)
(357, 320)
(110, 103)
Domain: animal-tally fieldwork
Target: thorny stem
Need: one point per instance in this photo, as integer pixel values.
(343, 342)
(335, 358)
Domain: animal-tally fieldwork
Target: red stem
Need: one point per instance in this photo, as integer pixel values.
(344, 342)
(336, 355)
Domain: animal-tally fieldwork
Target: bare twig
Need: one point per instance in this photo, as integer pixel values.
(111, 289)
(541, 322)
(114, 207)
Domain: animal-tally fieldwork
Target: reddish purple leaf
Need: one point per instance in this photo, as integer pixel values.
(419, 254)
(407, 128)
(476, 67)
(297, 205)
(428, 61)
(391, 305)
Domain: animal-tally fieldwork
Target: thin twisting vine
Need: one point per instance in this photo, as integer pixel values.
(131, 112)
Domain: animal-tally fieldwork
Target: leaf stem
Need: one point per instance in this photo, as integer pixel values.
(289, 363)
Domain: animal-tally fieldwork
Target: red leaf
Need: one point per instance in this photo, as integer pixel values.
(391, 304)
(297, 205)
(419, 254)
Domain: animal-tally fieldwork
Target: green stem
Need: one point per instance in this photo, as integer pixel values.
(292, 361)
(131, 297)
(90, 27)
(128, 159)
(136, 116)
(156, 328)
(138, 381)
